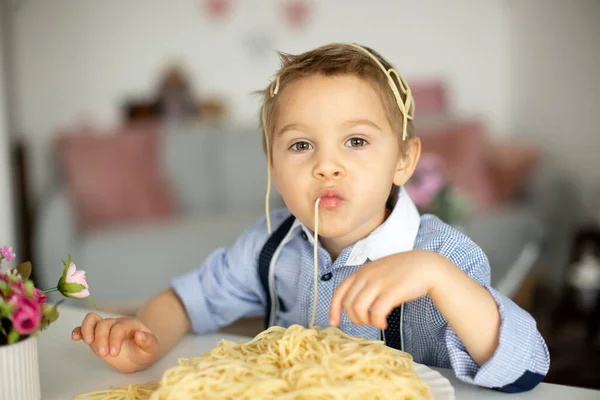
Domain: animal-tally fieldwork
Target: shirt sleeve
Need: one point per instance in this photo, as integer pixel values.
(521, 360)
(226, 286)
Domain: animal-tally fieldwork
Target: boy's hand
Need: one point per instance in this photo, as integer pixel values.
(123, 343)
(372, 292)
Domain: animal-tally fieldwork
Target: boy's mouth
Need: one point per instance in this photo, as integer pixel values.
(331, 198)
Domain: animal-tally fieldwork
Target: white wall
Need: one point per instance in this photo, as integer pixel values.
(513, 62)
(76, 59)
(7, 234)
(555, 73)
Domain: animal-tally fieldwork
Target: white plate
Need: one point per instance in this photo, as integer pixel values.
(440, 387)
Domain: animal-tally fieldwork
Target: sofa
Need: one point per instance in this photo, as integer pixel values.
(218, 180)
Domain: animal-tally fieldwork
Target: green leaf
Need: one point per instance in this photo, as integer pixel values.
(4, 288)
(12, 278)
(68, 262)
(51, 313)
(43, 324)
(29, 288)
(6, 310)
(65, 269)
(2, 330)
(13, 336)
(24, 270)
(68, 288)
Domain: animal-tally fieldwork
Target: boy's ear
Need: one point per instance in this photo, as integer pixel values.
(407, 162)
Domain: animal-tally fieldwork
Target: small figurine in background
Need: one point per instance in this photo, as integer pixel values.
(175, 100)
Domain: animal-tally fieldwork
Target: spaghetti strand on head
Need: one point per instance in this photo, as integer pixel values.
(268, 195)
(407, 107)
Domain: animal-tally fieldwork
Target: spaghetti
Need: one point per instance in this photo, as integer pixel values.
(280, 363)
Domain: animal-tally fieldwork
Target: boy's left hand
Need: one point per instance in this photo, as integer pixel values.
(372, 292)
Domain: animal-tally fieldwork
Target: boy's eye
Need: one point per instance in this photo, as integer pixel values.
(301, 146)
(356, 142)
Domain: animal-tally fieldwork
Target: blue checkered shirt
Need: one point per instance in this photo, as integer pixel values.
(226, 287)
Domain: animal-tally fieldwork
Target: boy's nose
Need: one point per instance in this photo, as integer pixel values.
(329, 169)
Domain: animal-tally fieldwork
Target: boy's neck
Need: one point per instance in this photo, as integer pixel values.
(335, 246)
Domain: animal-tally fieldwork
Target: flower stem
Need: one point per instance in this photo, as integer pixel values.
(54, 289)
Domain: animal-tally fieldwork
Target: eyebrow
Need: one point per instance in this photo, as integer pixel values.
(349, 124)
(361, 122)
(291, 127)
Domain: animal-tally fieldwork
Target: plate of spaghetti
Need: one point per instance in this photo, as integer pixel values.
(296, 363)
(292, 363)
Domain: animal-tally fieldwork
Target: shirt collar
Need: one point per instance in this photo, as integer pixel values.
(397, 233)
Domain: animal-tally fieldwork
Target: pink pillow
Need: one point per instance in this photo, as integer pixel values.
(115, 178)
(430, 98)
(511, 164)
(463, 147)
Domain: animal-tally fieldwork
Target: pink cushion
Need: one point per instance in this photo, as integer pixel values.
(430, 98)
(511, 164)
(463, 147)
(115, 178)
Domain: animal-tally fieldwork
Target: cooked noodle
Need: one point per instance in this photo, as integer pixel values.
(292, 363)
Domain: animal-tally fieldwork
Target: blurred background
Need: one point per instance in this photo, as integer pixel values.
(129, 138)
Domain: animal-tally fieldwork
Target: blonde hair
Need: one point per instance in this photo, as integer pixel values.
(340, 59)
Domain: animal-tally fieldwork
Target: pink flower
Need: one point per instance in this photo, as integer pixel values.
(71, 282)
(6, 253)
(427, 181)
(26, 315)
(39, 296)
(18, 288)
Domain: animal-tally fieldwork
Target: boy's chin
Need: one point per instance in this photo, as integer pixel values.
(333, 230)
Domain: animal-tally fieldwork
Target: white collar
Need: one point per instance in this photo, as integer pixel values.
(397, 233)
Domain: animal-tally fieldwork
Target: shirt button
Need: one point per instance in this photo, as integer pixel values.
(304, 235)
(326, 277)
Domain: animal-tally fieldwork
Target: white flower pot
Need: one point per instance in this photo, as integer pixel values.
(20, 371)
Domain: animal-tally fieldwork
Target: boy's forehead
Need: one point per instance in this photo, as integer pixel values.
(324, 82)
(331, 95)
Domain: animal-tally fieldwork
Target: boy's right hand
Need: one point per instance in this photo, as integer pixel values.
(123, 343)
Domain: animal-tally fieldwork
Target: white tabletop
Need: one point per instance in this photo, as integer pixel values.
(68, 368)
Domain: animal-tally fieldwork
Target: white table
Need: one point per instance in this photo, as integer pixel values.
(68, 368)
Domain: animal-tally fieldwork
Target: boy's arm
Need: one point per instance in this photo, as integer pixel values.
(491, 341)
(166, 317)
(453, 293)
(227, 286)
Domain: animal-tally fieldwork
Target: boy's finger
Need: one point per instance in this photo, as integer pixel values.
(118, 333)
(348, 303)
(76, 334)
(100, 345)
(335, 310)
(382, 306)
(146, 341)
(363, 302)
(88, 326)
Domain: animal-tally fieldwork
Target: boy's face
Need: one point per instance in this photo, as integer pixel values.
(332, 139)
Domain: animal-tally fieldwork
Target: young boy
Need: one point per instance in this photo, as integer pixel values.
(337, 124)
